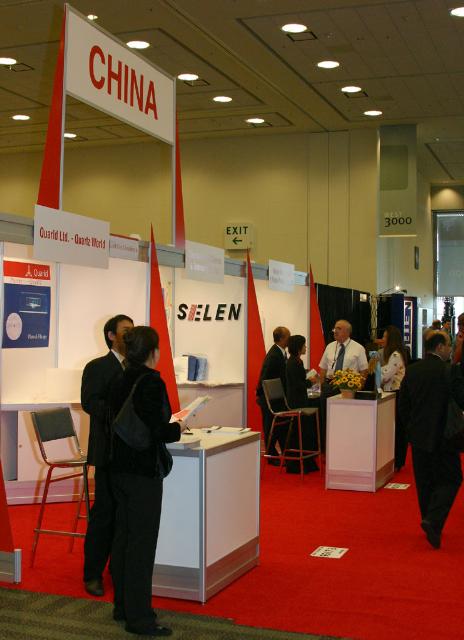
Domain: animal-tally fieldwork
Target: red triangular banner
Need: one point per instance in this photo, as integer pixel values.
(256, 351)
(50, 178)
(6, 538)
(316, 335)
(159, 322)
(179, 240)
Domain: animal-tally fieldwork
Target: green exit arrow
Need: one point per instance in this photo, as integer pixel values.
(236, 240)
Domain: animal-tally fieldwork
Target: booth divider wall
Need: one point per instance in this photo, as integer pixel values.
(83, 298)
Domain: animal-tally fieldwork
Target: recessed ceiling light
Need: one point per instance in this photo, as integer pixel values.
(294, 28)
(222, 99)
(255, 120)
(138, 44)
(372, 112)
(70, 135)
(20, 116)
(328, 64)
(8, 61)
(351, 89)
(92, 17)
(458, 12)
(188, 77)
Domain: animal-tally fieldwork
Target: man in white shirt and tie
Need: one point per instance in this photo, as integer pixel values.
(343, 353)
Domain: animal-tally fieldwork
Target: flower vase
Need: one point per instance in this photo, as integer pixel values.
(347, 393)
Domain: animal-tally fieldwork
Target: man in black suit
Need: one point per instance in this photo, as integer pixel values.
(424, 395)
(274, 366)
(97, 378)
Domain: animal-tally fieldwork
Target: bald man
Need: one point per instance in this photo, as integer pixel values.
(342, 353)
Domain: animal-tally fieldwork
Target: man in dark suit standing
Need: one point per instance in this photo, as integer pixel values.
(274, 366)
(96, 382)
(424, 395)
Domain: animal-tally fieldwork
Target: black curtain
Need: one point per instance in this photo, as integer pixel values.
(338, 303)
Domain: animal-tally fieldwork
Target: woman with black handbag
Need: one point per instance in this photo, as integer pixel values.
(137, 481)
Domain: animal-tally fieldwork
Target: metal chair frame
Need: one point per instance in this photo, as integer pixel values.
(66, 431)
(273, 390)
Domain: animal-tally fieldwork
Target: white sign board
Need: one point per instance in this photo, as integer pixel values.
(203, 262)
(281, 276)
(105, 74)
(238, 235)
(329, 552)
(60, 236)
(124, 247)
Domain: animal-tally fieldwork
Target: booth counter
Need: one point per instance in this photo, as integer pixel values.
(209, 533)
(360, 446)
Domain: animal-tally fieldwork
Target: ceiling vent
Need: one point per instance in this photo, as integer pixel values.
(21, 66)
(300, 37)
(197, 83)
(352, 96)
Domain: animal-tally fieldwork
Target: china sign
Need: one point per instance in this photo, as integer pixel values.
(104, 73)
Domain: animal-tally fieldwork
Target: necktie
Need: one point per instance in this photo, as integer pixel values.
(341, 355)
(124, 363)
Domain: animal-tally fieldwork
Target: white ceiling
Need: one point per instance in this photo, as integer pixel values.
(408, 56)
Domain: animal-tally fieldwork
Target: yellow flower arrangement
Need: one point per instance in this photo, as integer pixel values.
(347, 379)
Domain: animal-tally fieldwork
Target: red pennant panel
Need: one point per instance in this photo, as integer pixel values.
(180, 222)
(316, 335)
(159, 322)
(6, 538)
(256, 352)
(50, 178)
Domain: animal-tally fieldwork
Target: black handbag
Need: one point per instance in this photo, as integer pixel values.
(454, 428)
(129, 427)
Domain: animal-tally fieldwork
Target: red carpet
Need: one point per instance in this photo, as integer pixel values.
(391, 583)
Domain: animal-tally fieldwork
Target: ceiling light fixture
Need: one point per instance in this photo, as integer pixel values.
(92, 17)
(8, 61)
(458, 12)
(138, 44)
(20, 116)
(351, 89)
(188, 77)
(222, 99)
(373, 113)
(328, 64)
(70, 135)
(255, 120)
(294, 27)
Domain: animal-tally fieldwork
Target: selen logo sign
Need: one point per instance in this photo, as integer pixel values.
(204, 312)
(104, 73)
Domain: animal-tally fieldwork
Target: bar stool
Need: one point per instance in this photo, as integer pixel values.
(274, 393)
(52, 425)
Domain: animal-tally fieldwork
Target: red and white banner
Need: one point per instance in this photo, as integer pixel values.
(256, 352)
(104, 73)
(316, 334)
(25, 271)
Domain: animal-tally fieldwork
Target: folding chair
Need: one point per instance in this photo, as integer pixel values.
(51, 425)
(274, 393)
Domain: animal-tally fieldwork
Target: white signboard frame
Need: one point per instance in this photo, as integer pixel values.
(102, 72)
(281, 276)
(61, 236)
(204, 262)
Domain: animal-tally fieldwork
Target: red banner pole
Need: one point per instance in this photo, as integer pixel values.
(316, 335)
(256, 351)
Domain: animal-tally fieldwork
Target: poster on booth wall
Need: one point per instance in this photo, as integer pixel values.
(26, 308)
(408, 322)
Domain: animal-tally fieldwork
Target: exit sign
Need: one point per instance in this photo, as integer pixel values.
(238, 235)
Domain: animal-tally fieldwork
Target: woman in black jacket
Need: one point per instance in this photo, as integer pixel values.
(297, 398)
(137, 483)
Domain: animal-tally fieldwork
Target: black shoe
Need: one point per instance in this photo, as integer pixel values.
(149, 630)
(433, 536)
(94, 587)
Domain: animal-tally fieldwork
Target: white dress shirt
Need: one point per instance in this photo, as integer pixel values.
(355, 357)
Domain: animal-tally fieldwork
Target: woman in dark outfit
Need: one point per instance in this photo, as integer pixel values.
(297, 397)
(137, 482)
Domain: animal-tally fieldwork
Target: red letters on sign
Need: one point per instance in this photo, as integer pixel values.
(131, 87)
